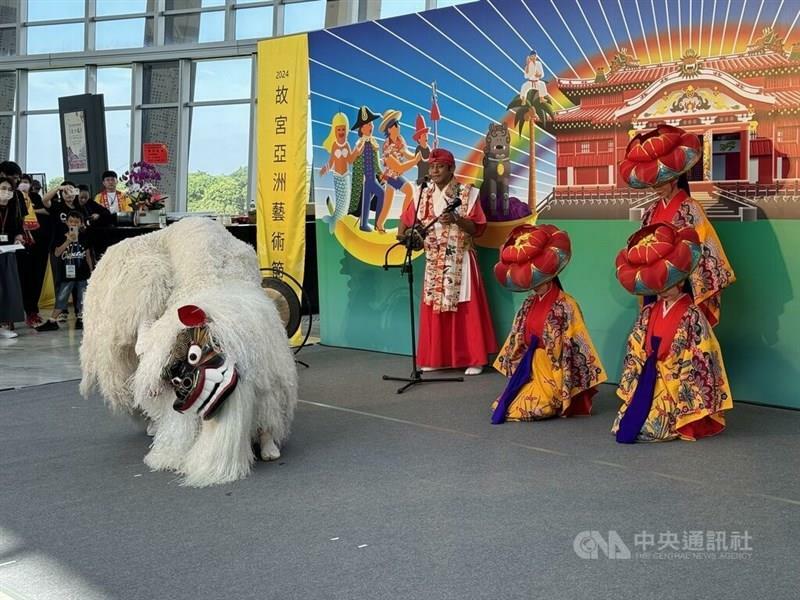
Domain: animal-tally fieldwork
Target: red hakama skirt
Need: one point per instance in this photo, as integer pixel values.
(461, 338)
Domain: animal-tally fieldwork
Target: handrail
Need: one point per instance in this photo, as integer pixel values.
(646, 200)
(545, 203)
(732, 196)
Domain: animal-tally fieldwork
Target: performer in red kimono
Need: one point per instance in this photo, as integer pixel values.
(455, 329)
(673, 383)
(660, 159)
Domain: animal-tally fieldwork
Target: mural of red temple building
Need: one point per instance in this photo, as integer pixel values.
(745, 108)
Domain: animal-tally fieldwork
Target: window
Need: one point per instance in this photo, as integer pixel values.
(50, 10)
(218, 180)
(46, 39)
(208, 76)
(395, 8)
(45, 87)
(254, 22)
(44, 146)
(303, 16)
(584, 148)
(115, 85)
(610, 145)
(118, 139)
(219, 119)
(124, 33)
(190, 4)
(191, 28)
(106, 8)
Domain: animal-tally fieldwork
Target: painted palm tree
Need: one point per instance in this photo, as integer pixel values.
(534, 109)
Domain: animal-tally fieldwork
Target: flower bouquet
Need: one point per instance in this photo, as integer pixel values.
(141, 186)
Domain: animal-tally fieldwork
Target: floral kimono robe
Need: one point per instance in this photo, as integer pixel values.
(714, 273)
(684, 389)
(550, 360)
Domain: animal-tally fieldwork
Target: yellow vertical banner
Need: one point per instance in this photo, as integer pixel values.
(282, 184)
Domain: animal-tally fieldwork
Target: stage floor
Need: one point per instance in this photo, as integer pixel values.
(380, 495)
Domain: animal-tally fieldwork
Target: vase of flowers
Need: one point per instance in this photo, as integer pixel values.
(141, 186)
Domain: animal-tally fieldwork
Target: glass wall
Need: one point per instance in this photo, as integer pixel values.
(173, 72)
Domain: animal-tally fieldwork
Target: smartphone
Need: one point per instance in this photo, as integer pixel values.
(73, 229)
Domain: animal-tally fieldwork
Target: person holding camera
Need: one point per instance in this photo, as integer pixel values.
(74, 259)
(60, 202)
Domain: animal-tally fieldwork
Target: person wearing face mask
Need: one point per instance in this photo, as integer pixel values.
(32, 262)
(11, 309)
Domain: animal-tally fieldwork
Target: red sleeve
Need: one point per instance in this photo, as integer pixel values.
(477, 216)
(409, 214)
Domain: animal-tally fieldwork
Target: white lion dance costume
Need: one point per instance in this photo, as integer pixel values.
(178, 327)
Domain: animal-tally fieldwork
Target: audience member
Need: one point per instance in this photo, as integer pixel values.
(115, 201)
(11, 309)
(96, 214)
(75, 265)
(32, 262)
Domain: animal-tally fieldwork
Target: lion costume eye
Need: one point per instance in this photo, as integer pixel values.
(193, 356)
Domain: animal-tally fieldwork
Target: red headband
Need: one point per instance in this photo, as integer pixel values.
(440, 155)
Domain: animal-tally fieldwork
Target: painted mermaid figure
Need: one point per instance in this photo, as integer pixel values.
(341, 156)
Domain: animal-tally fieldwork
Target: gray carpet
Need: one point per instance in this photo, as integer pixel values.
(425, 498)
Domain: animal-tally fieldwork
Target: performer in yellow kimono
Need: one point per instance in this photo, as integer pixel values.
(549, 357)
(660, 159)
(673, 383)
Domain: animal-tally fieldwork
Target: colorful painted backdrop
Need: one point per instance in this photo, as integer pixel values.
(475, 54)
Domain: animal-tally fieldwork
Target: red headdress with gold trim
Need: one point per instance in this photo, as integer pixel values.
(657, 258)
(532, 255)
(659, 156)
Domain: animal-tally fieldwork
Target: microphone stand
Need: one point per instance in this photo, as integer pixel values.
(407, 268)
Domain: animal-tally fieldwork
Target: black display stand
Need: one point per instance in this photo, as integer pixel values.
(92, 107)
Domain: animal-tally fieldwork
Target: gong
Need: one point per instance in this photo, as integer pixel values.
(286, 301)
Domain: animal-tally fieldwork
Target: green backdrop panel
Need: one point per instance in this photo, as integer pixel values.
(366, 307)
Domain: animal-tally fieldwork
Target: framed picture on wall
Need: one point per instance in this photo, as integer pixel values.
(75, 144)
(42, 179)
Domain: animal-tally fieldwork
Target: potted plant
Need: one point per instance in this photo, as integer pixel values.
(141, 182)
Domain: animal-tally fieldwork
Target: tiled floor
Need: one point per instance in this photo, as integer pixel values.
(35, 358)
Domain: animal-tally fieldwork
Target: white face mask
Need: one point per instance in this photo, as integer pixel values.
(24, 187)
(6, 195)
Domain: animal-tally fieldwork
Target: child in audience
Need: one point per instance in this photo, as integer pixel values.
(74, 266)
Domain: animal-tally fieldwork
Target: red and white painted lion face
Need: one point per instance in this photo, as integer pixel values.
(197, 368)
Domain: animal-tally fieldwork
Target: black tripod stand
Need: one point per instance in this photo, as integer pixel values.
(407, 268)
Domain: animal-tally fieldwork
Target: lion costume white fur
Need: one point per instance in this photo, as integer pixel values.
(130, 327)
